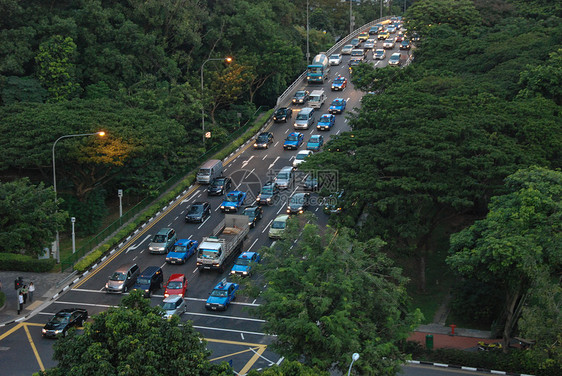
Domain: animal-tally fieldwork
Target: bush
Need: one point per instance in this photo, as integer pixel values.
(2, 299)
(23, 263)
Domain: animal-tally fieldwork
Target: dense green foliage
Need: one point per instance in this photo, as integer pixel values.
(289, 368)
(330, 296)
(24, 263)
(133, 339)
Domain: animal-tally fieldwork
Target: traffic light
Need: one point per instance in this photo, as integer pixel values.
(18, 283)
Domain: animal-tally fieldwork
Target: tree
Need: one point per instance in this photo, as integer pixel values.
(288, 368)
(330, 296)
(544, 79)
(459, 14)
(133, 339)
(55, 67)
(518, 242)
(29, 217)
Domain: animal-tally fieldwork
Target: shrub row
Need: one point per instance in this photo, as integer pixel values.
(23, 263)
(97, 254)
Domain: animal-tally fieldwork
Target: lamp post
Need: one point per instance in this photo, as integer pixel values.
(354, 357)
(350, 16)
(120, 194)
(307, 32)
(73, 220)
(101, 134)
(227, 60)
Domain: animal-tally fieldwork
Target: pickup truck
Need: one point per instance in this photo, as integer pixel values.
(216, 250)
(233, 201)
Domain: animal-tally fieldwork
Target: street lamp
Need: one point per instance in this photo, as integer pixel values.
(227, 60)
(354, 357)
(307, 36)
(101, 134)
(73, 220)
(350, 16)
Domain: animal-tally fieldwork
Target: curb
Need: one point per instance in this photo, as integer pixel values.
(465, 368)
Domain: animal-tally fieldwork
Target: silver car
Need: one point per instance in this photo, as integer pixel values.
(346, 50)
(173, 305)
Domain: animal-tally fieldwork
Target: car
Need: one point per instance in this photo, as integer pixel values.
(395, 59)
(326, 122)
(244, 263)
(300, 157)
(354, 63)
(284, 178)
(293, 141)
(335, 59)
(221, 296)
(151, 279)
(173, 305)
(382, 36)
(310, 183)
(363, 36)
(415, 37)
(298, 202)
(399, 38)
(268, 194)
(337, 106)
(369, 44)
(315, 142)
(405, 45)
(199, 211)
(346, 50)
(122, 279)
(219, 186)
(233, 201)
(379, 27)
(63, 320)
(263, 140)
(388, 44)
(391, 29)
(183, 250)
(355, 42)
(254, 214)
(282, 114)
(379, 54)
(176, 285)
(339, 83)
(300, 97)
(373, 30)
(332, 203)
(277, 228)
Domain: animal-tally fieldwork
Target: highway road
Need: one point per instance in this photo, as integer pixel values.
(234, 335)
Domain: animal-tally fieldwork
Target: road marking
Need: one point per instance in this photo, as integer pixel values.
(34, 348)
(232, 331)
(250, 173)
(232, 354)
(265, 156)
(266, 227)
(11, 331)
(86, 304)
(264, 358)
(244, 163)
(277, 143)
(255, 241)
(271, 165)
(242, 335)
(205, 221)
(251, 362)
(138, 245)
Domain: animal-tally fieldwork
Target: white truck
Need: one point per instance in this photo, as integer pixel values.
(216, 250)
(316, 99)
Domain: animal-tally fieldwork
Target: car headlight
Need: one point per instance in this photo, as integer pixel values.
(268, 199)
(207, 304)
(232, 272)
(107, 285)
(288, 211)
(220, 305)
(168, 259)
(222, 206)
(245, 272)
(59, 331)
(43, 330)
(166, 295)
(255, 145)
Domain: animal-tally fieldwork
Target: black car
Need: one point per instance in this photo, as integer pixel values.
(254, 214)
(64, 320)
(198, 212)
(310, 183)
(263, 140)
(298, 203)
(219, 186)
(300, 97)
(268, 193)
(282, 114)
(333, 203)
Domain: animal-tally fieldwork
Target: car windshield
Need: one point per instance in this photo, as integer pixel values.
(299, 94)
(292, 137)
(297, 200)
(278, 224)
(262, 138)
(219, 293)
(180, 249)
(267, 190)
(379, 52)
(337, 102)
(143, 281)
(231, 198)
(339, 80)
(60, 319)
(243, 262)
(314, 139)
(355, 41)
(174, 285)
(283, 175)
(194, 210)
(335, 57)
(204, 171)
(217, 182)
(301, 156)
(324, 119)
(159, 239)
(168, 306)
(250, 212)
(281, 111)
(301, 117)
(356, 53)
(118, 276)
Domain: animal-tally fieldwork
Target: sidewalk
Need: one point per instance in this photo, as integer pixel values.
(464, 339)
(46, 286)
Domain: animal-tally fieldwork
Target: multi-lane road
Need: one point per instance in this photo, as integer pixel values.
(235, 335)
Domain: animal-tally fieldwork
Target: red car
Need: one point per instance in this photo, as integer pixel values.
(176, 285)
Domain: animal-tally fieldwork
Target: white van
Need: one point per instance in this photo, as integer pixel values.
(304, 119)
(317, 99)
(210, 170)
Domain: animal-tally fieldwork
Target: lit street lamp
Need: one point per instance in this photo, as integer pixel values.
(101, 134)
(354, 357)
(227, 60)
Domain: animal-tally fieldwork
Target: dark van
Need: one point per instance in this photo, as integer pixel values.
(151, 279)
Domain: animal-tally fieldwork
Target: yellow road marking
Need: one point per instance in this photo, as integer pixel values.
(253, 360)
(34, 348)
(11, 331)
(232, 354)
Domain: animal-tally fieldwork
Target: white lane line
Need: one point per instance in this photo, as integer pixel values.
(224, 317)
(263, 357)
(280, 208)
(271, 165)
(244, 163)
(196, 269)
(338, 132)
(267, 227)
(280, 360)
(164, 264)
(277, 143)
(250, 173)
(138, 245)
(242, 335)
(255, 241)
(218, 207)
(205, 221)
(233, 331)
(265, 156)
(190, 236)
(86, 304)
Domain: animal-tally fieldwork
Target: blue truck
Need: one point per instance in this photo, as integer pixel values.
(318, 70)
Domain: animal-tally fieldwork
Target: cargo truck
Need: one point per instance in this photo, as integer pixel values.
(224, 243)
(318, 70)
